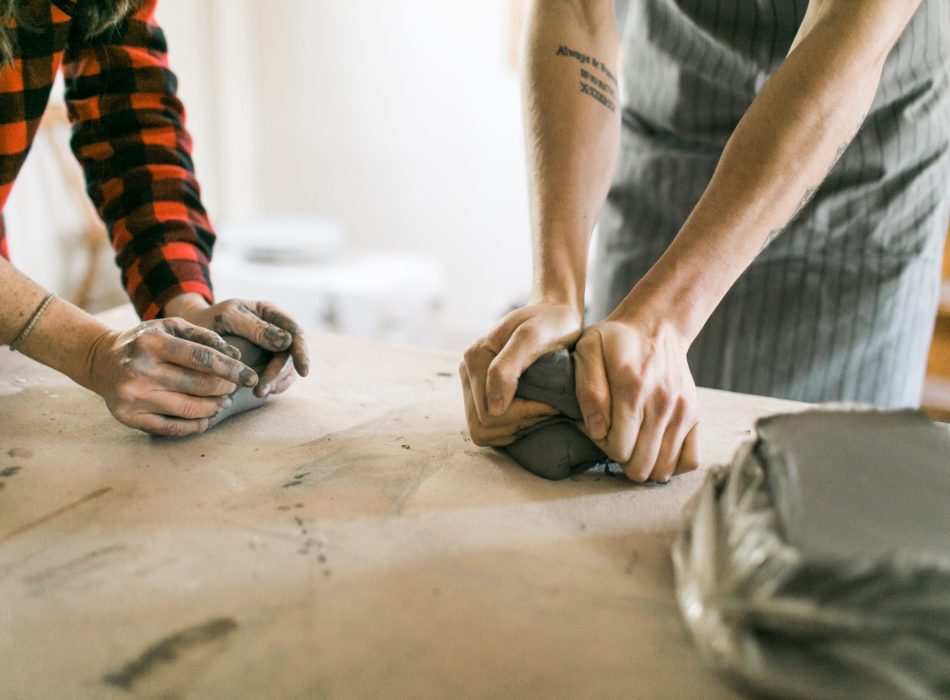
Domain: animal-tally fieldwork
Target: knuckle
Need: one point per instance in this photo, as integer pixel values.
(636, 473)
(477, 353)
(690, 465)
(663, 399)
(586, 342)
(479, 438)
(202, 386)
(469, 355)
(628, 381)
(690, 412)
(501, 373)
(173, 429)
(202, 357)
(592, 397)
(124, 416)
(190, 410)
(126, 393)
(528, 332)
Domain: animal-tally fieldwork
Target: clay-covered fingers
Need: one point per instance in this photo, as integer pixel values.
(244, 319)
(174, 405)
(202, 358)
(278, 376)
(180, 328)
(185, 381)
(169, 427)
(286, 327)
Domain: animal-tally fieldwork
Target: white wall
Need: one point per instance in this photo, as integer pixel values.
(399, 118)
(402, 119)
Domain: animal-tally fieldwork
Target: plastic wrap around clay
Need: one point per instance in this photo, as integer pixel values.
(555, 448)
(818, 563)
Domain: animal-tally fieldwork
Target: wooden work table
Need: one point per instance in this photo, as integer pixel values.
(346, 540)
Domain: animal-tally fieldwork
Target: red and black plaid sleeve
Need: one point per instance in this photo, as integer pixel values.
(130, 137)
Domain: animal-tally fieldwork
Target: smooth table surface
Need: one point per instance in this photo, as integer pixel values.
(346, 540)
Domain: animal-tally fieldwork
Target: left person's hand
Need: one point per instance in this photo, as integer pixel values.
(263, 324)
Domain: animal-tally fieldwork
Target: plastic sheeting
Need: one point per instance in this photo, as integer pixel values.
(818, 563)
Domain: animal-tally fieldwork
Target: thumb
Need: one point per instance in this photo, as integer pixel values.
(519, 353)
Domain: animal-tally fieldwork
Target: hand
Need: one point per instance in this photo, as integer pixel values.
(638, 397)
(263, 324)
(166, 377)
(492, 366)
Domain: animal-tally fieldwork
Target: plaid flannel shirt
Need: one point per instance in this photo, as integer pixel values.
(129, 136)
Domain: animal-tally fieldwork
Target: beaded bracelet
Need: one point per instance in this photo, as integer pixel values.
(28, 328)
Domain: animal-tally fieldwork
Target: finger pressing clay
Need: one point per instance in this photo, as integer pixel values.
(244, 399)
(555, 448)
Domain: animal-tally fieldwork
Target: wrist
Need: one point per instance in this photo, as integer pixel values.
(183, 304)
(663, 309)
(65, 339)
(561, 290)
(91, 376)
(557, 298)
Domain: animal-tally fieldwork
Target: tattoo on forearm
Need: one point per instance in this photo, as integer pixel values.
(590, 83)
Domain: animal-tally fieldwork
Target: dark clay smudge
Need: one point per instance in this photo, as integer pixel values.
(168, 650)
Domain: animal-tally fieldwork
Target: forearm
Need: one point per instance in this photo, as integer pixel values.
(63, 338)
(572, 126)
(778, 156)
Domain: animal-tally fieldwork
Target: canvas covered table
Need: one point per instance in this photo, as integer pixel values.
(346, 540)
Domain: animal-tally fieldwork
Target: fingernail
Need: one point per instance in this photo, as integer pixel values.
(495, 404)
(595, 426)
(266, 390)
(248, 377)
(227, 402)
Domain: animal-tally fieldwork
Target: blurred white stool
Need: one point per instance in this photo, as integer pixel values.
(304, 267)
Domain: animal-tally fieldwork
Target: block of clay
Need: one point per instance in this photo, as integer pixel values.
(555, 448)
(244, 399)
(817, 564)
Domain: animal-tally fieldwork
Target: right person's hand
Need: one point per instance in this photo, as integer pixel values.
(492, 365)
(166, 377)
(638, 397)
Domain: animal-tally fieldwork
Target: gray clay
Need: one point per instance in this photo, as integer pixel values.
(244, 399)
(555, 448)
(818, 563)
(871, 483)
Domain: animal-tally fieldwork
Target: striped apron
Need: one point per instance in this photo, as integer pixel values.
(841, 305)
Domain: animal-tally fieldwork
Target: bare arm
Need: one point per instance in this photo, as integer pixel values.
(572, 124)
(165, 376)
(572, 130)
(779, 154)
(634, 385)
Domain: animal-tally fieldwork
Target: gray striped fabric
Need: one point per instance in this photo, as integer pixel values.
(840, 306)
